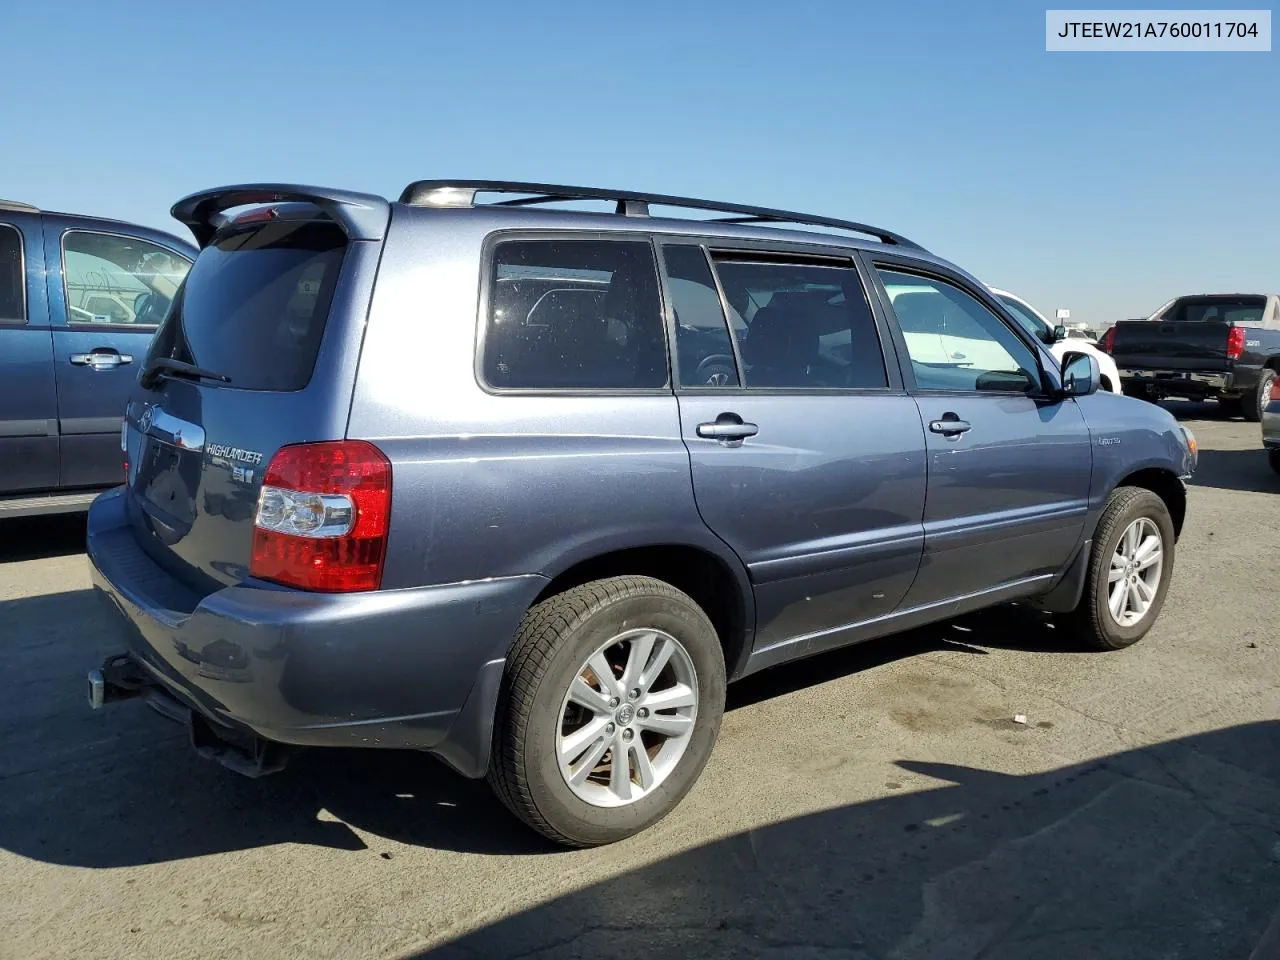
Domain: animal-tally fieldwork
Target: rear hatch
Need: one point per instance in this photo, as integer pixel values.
(1192, 333)
(259, 351)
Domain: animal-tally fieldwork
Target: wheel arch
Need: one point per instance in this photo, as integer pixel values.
(1164, 483)
(717, 584)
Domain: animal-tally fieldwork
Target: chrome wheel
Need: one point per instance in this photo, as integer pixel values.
(1136, 567)
(627, 717)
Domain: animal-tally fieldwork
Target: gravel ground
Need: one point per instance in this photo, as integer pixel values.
(876, 802)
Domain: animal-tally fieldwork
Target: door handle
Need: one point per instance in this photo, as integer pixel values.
(950, 425)
(727, 427)
(101, 358)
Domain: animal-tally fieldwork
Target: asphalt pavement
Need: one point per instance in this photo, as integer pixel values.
(878, 802)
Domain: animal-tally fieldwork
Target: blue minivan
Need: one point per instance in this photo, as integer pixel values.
(80, 298)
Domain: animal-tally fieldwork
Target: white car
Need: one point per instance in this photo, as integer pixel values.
(1043, 330)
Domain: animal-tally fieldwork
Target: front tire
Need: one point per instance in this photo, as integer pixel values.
(1129, 572)
(627, 668)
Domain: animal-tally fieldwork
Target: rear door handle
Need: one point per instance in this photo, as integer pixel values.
(950, 427)
(101, 358)
(727, 427)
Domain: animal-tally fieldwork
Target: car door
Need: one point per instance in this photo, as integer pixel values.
(1009, 465)
(807, 454)
(107, 295)
(28, 400)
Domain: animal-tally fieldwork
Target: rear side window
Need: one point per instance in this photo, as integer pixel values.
(255, 304)
(803, 326)
(574, 315)
(13, 288)
(703, 349)
(109, 278)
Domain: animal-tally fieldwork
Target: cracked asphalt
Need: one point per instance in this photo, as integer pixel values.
(879, 802)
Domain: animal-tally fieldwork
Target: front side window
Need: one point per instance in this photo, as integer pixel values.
(955, 343)
(802, 325)
(13, 285)
(1026, 318)
(115, 279)
(574, 315)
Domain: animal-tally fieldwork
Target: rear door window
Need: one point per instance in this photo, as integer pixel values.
(255, 304)
(1244, 311)
(571, 314)
(805, 326)
(13, 286)
(111, 278)
(704, 352)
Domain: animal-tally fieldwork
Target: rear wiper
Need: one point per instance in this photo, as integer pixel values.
(165, 365)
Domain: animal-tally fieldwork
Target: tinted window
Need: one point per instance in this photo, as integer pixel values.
(703, 349)
(255, 304)
(1243, 310)
(115, 279)
(955, 343)
(574, 314)
(805, 325)
(13, 287)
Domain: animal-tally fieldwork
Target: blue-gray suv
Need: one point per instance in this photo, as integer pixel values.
(524, 486)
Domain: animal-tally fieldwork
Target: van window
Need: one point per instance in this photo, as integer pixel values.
(806, 325)
(574, 315)
(13, 286)
(255, 304)
(116, 279)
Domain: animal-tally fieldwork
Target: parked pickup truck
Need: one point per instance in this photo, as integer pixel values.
(79, 300)
(1224, 346)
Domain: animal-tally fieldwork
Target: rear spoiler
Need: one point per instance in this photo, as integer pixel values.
(363, 216)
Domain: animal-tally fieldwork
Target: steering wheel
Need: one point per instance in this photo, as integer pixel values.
(143, 304)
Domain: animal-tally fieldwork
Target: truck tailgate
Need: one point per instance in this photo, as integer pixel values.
(1173, 345)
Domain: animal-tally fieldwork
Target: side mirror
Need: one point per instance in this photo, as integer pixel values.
(1080, 375)
(1059, 333)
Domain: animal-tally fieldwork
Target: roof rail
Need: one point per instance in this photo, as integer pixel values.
(462, 193)
(17, 207)
(362, 215)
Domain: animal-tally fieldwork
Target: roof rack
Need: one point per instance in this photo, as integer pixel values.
(462, 193)
(16, 207)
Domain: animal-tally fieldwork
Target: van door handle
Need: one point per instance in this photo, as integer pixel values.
(951, 426)
(101, 358)
(727, 427)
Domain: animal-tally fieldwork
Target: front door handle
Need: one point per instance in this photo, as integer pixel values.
(728, 427)
(101, 358)
(950, 425)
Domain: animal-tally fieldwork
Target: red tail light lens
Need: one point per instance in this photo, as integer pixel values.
(323, 516)
(1275, 390)
(1108, 340)
(1235, 343)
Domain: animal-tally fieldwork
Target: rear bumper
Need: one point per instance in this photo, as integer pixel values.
(1194, 383)
(415, 668)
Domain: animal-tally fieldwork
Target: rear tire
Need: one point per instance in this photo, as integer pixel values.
(1253, 411)
(1137, 513)
(553, 755)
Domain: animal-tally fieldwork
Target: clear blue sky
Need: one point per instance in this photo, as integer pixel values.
(1106, 183)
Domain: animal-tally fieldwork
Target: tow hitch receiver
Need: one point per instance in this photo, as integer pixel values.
(119, 678)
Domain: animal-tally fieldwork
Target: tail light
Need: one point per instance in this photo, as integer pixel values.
(124, 447)
(1235, 343)
(1275, 391)
(323, 516)
(1108, 340)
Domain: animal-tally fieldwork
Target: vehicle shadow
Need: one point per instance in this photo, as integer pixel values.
(1163, 851)
(154, 800)
(36, 538)
(1244, 470)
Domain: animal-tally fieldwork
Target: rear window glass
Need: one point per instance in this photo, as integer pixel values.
(1243, 310)
(255, 304)
(12, 283)
(574, 314)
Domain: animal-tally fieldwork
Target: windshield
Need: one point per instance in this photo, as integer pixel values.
(254, 306)
(1026, 318)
